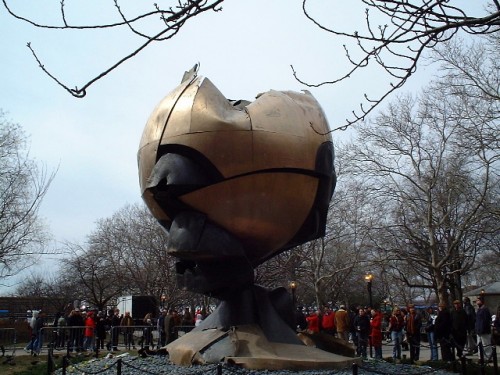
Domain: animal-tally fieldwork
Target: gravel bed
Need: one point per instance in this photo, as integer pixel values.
(155, 365)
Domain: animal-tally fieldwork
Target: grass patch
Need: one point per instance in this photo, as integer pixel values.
(24, 365)
(28, 365)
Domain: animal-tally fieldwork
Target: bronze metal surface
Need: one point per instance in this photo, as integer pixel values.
(270, 129)
(266, 175)
(263, 226)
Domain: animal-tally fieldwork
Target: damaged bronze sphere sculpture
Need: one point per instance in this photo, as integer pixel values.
(235, 183)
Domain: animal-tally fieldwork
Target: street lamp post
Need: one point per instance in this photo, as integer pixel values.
(369, 279)
(293, 286)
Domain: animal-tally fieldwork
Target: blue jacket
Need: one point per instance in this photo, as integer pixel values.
(483, 321)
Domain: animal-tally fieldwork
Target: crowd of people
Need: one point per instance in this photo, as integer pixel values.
(360, 326)
(456, 331)
(82, 331)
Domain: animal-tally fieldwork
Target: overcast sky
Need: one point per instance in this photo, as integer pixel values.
(245, 49)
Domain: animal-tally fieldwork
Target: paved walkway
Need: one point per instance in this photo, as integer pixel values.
(425, 353)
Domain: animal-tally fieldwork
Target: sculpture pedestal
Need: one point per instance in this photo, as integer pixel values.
(253, 329)
(248, 347)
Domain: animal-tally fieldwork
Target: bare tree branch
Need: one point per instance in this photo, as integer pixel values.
(172, 18)
(413, 27)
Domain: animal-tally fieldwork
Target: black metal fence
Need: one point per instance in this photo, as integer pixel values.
(77, 339)
(8, 341)
(462, 365)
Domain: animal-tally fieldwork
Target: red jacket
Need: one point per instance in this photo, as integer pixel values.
(313, 323)
(328, 321)
(89, 326)
(376, 329)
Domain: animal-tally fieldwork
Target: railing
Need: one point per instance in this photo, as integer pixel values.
(118, 365)
(72, 339)
(78, 339)
(8, 341)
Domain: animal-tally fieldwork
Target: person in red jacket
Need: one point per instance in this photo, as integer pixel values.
(376, 332)
(313, 322)
(88, 343)
(328, 321)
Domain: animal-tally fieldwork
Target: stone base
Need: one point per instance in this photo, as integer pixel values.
(248, 347)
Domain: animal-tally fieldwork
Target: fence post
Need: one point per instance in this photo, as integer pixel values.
(119, 367)
(64, 364)
(454, 365)
(114, 337)
(67, 348)
(481, 358)
(50, 359)
(354, 369)
(96, 342)
(8, 340)
(463, 362)
(495, 358)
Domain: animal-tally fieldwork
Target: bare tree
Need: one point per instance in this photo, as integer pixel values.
(285, 268)
(442, 200)
(471, 68)
(324, 269)
(23, 185)
(56, 291)
(33, 285)
(447, 150)
(126, 254)
(486, 269)
(338, 261)
(396, 36)
(86, 272)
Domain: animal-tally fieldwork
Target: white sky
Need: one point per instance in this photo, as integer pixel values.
(244, 50)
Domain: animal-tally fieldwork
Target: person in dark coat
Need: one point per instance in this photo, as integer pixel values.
(75, 322)
(147, 331)
(442, 330)
(115, 329)
(459, 327)
(483, 327)
(353, 333)
(362, 327)
(37, 329)
(471, 322)
(160, 324)
(300, 319)
(100, 330)
(413, 325)
(169, 327)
